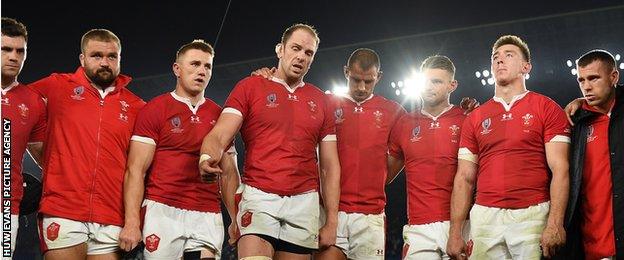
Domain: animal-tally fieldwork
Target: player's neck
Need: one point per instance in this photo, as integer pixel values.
(8, 81)
(606, 107)
(509, 91)
(291, 82)
(193, 98)
(436, 109)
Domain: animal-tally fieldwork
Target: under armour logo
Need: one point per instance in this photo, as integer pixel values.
(358, 110)
(507, 117)
(5, 101)
(195, 119)
(434, 124)
(292, 97)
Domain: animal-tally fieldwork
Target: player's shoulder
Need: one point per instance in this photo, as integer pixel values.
(390, 103)
(209, 103)
(537, 98)
(132, 98)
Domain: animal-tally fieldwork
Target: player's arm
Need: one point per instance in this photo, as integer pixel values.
(230, 180)
(36, 152)
(553, 236)
(395, 165)
(461, 199)
(140, 157)
(217, 140)
(330, 189)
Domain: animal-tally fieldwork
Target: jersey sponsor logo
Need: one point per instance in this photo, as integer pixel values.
(78, 91)
(507, 117)
(176, 123)
(434, 125)
(124, 105)
(527, 119)
(52, 231)
(379, 252)
(415, 134)
(24, 111)
(590, 134)
(151, 242)
(293, 97)
(5, 101)
(195, 119)
(123, 117)
(486, 126)
(339, 115)
(378, 121)
(358, 110)
(246, 218)
(272, 99)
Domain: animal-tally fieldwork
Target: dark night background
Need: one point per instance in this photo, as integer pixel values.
(403, 33)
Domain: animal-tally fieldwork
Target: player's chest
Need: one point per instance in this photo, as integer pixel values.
(284, 109)
(514, 127)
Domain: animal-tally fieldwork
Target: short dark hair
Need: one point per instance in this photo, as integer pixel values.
(365, 58)
(513, 40)
(13, 28)
(197, 44)
(593, 55)
(103, 35)
(438, 62)
(300, 26)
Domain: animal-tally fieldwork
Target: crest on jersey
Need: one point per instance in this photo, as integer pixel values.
(416, 134)
(527, 119)
(124, 105)
(507, 117)
(378, 116)
(339, 115)
(271, 99)
(486, 124)
(176, 123)
(454, 130)
(312, 106)
(590, 134)
(23, 110)
(151, 242)
(78, 91)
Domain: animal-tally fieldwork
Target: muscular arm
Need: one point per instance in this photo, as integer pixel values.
(36, 152)
(461, 198)
(219, 137)
(330, 188)
(230, 180)
(395, 165)
(140, 157)
(557, 158)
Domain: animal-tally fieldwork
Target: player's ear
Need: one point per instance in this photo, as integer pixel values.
(278, 50)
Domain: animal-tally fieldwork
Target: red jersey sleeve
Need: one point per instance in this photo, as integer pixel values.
(328, 131)
(148, 124)
(555, 123)
(468, 139)
(38, 132)
(44, 87)
(394, 142)
(240, 96)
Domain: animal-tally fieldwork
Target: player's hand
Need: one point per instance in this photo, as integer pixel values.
(327, 235)
(264, 72)
(233, 233)
(572, 107)
(456, 248)
(553, 238)
(209, 170)
(129, 237)
(468, 104)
